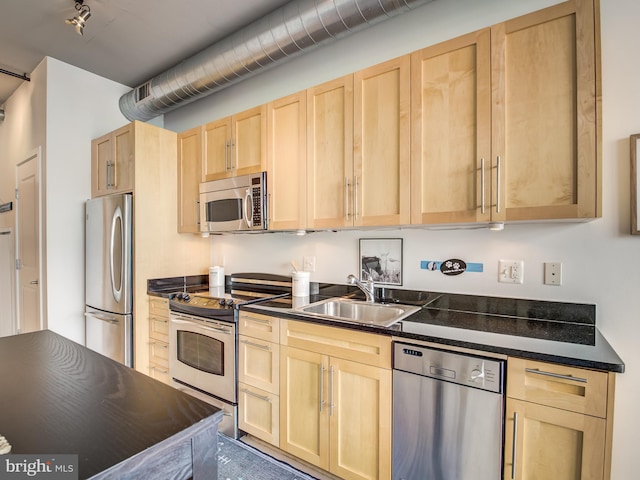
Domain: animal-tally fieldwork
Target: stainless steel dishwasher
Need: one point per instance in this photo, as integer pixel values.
(448, 411)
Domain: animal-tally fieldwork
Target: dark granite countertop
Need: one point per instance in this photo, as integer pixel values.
(558, 332)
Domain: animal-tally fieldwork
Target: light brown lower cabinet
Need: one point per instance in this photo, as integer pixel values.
(558, 422)
(259, 376)
(335, 412)
(159, 339)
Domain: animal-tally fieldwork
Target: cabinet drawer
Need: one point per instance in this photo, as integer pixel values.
(159, 353)
(160, 372)
(367, 348)
(260, 326)
(259, 363)
(569, 388)
(259, 413)
(159, 307)
(159, 328)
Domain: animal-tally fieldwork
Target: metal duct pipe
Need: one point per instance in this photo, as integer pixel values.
(2, 115)
(284, 33)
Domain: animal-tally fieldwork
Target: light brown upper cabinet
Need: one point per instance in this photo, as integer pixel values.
(451, 131)
(190, 146)
(112, 157)
(286, 162)
(381, 144)
(330, 154)
(545, 109)
(236, 145)
(505, 122)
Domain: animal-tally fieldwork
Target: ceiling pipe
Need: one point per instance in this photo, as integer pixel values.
(284, 33)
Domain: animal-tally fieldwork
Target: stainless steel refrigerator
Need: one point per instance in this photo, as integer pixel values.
(108, 277)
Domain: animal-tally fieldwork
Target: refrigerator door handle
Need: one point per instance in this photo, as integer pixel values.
(104, 318)
(117, 218)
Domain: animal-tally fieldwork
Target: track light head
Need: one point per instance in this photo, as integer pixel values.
(80, 20)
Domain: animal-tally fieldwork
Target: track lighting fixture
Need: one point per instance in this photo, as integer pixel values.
(80, 20)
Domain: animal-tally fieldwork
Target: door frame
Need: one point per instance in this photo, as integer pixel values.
(37, 155)
(12, 276)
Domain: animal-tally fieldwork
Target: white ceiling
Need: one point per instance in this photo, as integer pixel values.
(128, 41)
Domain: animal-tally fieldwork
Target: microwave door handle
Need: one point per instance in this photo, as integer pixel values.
(248, 200)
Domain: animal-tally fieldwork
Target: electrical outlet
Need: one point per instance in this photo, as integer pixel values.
(309, 264)
(511, 271)
(553, 273)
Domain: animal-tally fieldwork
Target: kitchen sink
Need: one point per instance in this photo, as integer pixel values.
(356, 311)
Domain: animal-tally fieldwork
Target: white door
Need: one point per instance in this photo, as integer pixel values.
(28, 244)
(7, 266)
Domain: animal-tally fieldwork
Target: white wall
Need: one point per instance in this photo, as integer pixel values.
(61, 109)
(80, 106)
(600, 259)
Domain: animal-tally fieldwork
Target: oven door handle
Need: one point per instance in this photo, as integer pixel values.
(227, 331)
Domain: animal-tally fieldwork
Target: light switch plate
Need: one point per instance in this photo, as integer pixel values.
(309, 263)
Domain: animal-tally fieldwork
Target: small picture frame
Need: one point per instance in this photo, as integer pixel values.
(381, 260)
(635, 184)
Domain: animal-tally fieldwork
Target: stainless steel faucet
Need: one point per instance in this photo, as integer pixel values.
(367, 287)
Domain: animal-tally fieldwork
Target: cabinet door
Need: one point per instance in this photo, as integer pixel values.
(304, 425)
(544, 442)
(286, 165)
(545, 131)
(259, 364)
(451, 131)
(189, 178)
(381, 144)
(360, 420)
(330, 154)
(216, 163)
(249, 141)
(101, 165)
(124, 157)
(259, 413)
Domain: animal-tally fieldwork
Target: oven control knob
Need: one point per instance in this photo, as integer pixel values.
(179, 296)
(186, 297)
(221, 302)
(230, 303)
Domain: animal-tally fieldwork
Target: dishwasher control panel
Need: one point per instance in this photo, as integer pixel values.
(460, 368)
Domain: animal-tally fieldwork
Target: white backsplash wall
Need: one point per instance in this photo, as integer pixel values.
(337, 255)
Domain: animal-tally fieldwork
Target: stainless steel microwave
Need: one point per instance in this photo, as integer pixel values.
(234, 204)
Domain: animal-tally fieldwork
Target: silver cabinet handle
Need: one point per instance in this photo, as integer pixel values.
(331, 404)
(159, 344)
(482, 185)
(197, 212)
(232, 150)
(346, 198)
(355, 197)
(321, 386)
(158, 319)
(259, 320)
(498, 185)
(571, 378)
(257, 345)
(513, 446)
(161, 370)
(261, 397)
(34, 282)
(226, 157)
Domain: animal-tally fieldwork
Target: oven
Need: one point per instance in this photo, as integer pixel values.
(203, 339)
(203, 362)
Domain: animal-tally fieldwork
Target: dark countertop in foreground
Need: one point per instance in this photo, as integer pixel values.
(557, 332)
(58, 397)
